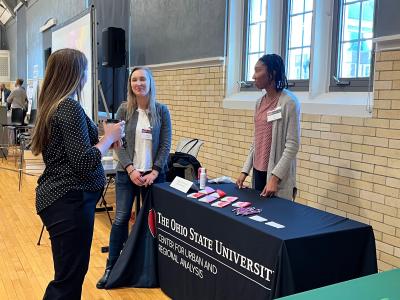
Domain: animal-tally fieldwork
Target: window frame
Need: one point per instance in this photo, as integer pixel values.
(346, 84)
(247, 85)
(293, 84)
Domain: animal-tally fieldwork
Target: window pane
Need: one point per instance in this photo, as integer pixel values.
(258, 10)
(368, 11)
(262, 37)
(305, 64)
(299, 40)
(256, 29)
(296, 31)
(294, 64)
(307, 29)
(296, 6)
(367, 20)
(251, 62)
(349, 57)
(308, 5)
(351, 22)
(365, 58)
(254, 38)
(356, 39)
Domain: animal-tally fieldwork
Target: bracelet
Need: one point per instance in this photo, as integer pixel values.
(129, 173)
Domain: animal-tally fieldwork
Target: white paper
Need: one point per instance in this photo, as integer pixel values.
(258, 218)
(181, 184)
(276, 225)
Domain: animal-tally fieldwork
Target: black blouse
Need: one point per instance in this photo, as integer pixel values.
(72, 162)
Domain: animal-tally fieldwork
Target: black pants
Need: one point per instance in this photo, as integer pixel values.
(260, 179)
(70, 221)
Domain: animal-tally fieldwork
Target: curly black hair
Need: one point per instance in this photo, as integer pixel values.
(276, 70)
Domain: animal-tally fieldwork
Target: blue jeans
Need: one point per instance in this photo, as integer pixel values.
(126, 192)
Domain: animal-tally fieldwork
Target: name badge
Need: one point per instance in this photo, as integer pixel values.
(275, 114)
(146, 134)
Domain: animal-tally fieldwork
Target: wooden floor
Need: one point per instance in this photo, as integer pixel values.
(25, 268)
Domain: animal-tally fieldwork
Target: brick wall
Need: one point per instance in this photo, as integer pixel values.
(347, 166)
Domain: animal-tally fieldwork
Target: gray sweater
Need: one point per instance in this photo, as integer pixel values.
(284, 147)
(161, 139)
(18, 98)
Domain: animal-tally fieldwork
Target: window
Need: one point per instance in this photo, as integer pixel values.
(296, 39)
(254, 35)
(352, 41)
(297, 42)
(306, 45)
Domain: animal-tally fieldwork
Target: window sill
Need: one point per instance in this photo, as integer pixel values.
(338, 104)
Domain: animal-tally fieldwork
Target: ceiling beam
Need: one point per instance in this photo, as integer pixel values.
(10, 4)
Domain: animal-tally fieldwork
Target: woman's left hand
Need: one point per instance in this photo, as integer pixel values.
(271, 188)
(149, 178)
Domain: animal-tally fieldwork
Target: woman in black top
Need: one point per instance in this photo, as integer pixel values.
(73, 179)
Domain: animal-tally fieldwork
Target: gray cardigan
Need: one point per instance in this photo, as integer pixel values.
(284, 147)
(161, 140)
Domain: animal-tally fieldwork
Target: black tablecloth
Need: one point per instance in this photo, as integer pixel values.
(204, 252)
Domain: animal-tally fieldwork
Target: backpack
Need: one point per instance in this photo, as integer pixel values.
(183, 165)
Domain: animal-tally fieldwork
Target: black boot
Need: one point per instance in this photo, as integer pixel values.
(103, 280)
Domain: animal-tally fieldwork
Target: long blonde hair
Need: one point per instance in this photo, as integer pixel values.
(132, 101)
(64, 77)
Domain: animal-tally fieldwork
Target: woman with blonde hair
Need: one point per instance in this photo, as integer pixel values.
(144, 159)
(73, 178)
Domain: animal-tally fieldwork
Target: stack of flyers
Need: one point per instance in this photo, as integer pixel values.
(225, 201)
(221, 193)
(246, 211)
(196, 195)
(207, 190)
(220, 204)
(212, 197)
(241, 204)
(209, 198)
(229, 199)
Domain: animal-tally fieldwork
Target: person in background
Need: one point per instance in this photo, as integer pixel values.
(4, 93)
(272, 155)
(143, 161)
(73, 179)
(18, 98)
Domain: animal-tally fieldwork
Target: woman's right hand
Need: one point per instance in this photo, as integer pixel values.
(114, 131)
(136, 177)
(240, 180)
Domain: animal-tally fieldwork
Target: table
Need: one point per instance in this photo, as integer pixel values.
(204, 252)
(382, 286)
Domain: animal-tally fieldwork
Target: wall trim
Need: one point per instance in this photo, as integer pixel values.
(388, 42)
(187, 64)
(354, 104)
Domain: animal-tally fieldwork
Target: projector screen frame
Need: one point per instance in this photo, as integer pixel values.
(91, 11)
